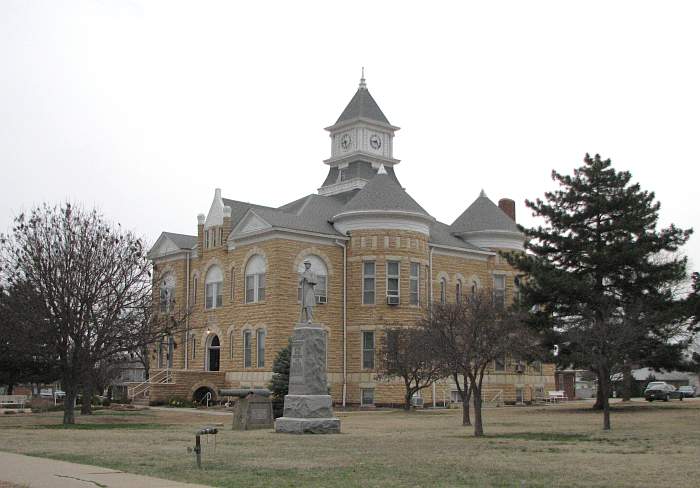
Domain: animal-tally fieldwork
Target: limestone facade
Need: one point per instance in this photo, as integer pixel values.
(239, 274)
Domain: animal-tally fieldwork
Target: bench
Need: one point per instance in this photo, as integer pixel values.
(6, 400)
(556, 396)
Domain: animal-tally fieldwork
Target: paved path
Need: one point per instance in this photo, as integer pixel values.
(34, 472)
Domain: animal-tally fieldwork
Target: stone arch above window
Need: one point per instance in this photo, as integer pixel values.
(255, 278)
(474, 284)
(313, 251)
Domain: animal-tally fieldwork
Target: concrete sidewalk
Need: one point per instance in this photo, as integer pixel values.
(37, 472)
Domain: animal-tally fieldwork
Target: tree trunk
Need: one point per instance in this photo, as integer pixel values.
(10, 388)
(69, 406)
(407, 400)
(605, 387)
(86, 407)
(464, 394)
(598, 405)
(626, 382)
(478, 426)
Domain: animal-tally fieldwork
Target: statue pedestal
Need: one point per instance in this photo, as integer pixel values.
(308, 407)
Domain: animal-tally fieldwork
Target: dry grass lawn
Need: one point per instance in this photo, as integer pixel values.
(651, 445)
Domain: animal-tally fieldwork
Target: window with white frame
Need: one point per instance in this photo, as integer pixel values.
(367, 397)
(214, 288)
(499, 291)
(255, 279)
(318, 267)
(260, 339)
(247, 351)
(167, 293)
(368, 282)
(392, 278)
(368, 349)
(443, 290)
(414, 284)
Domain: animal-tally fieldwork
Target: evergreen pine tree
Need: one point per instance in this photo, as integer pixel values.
(605, 282)
(279, 385)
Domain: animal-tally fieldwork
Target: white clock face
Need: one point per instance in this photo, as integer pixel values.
(345, 142)
(375, 142)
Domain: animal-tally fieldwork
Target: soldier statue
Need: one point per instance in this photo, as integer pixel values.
(307, 282)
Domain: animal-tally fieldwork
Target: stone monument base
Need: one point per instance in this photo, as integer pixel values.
(290, 425)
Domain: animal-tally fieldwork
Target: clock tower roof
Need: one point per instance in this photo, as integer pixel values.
(363, 106)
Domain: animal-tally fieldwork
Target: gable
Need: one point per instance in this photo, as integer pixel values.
(251, 222)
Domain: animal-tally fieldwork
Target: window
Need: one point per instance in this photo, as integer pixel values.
(443, 290)
(171, 351)
(475, 288)
(231, 343)
(519, 395)
(247, 363)
(194, 347)
(213, 353)
(318, 267)
(233, 280)
(500, 365)
(516, 289)
(194, 289)
(161, 353)
(367, 396)
(261, 347)
(499, 291)
(255, 279)
(458, 291)
(214, 288)
(392, 278)
(414, 284)
(167, 293)
(368, 271)
(537, 367)
(206, 239)
(368, 350)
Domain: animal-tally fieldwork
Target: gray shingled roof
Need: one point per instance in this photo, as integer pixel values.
(310, 213)
(383, 193)
(440, 234)
(182, 241)
(362, 105)
(483, 214)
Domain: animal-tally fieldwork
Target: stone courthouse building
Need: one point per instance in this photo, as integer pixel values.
(381, 259)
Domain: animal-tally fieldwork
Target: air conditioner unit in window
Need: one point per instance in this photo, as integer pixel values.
(392, 300)
(321, 299)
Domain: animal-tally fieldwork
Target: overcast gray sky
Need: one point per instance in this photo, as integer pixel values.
(143, 108)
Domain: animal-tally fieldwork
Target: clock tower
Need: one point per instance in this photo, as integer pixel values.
(362, 140)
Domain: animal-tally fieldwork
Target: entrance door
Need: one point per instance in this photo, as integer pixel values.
(214, 354)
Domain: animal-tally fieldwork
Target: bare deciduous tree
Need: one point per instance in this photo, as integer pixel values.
(470, 335)
(405, 355)
(91, 278)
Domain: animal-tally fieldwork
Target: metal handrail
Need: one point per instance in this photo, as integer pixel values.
(163, 376)
(497, 398)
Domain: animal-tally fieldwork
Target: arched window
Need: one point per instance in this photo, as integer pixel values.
(458, 291)
(255, 279)
(318, 266)
(167, 293)
(443, 290)
(231, 342)
(214, 288)
(475, 287)
(213, 353)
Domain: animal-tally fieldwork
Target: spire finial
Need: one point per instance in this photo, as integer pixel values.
(362, 80)
(482, 194)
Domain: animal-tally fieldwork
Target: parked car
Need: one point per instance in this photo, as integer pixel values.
(660, 390)
(687, 391)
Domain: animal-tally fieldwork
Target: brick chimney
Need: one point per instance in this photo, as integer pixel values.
(508, 207)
